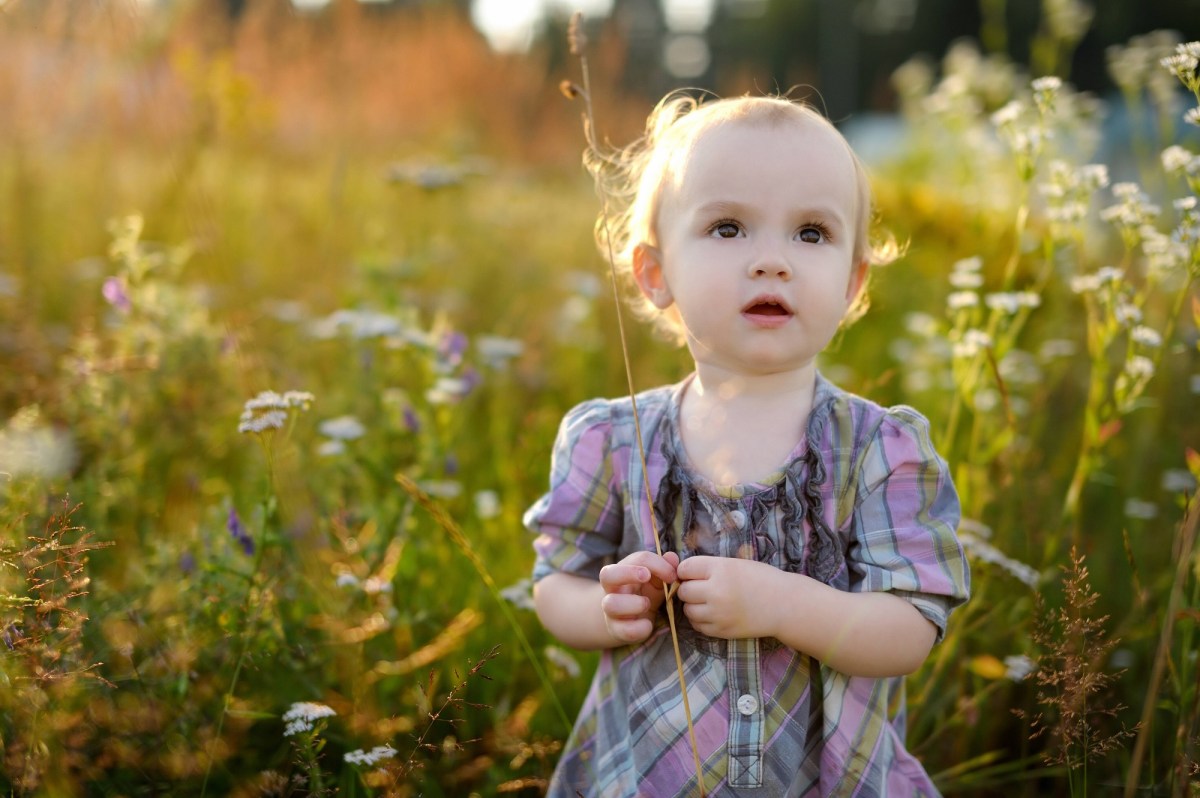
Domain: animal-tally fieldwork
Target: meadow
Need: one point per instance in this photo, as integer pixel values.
(285, 341)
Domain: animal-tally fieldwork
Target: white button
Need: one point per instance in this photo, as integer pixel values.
(738, 517)
(747, 704)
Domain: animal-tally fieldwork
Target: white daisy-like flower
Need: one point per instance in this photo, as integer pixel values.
(1008, 115)
(342, 428)
(1018, 667)
(369, 758)
(1189, 48)
(331, 448)
(1125, 190)
(1139, 366)
(1047, 83)
(1192, 117)
(272, 419)
(966, 280)
(1141, 509)
(487, 504)
(1176, 158)
(973, 341)
(960, 300)
(1093, 176)
(1109, 274)
(1126, 313)
(301, 716)
(1005, 302)
(1186, 204)
(1146, 336)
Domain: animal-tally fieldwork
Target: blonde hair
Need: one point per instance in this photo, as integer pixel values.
(631, 183)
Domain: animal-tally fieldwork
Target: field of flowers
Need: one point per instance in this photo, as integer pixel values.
(284, 343)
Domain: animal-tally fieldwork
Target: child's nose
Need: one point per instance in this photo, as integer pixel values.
(770, 264)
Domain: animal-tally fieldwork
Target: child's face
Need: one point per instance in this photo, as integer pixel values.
(755, 247)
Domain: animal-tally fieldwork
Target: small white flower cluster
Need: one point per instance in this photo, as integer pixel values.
(1182, 63)
(1045, 89)
(1139, 367)
(974, 536)
(497, 351)
(1140, 509)
(519, 594)
(302, 715)
(966, 276)
(448, 390)
(269, 410)
(1178, 159)
(372, 757)
(487, 504)
(1012, 301)
(1089, 283)
(338, 431)
(1133, 212)
(359, 324)
(1069, 190)
(1018, 667)
(563, 660)
(973, 342)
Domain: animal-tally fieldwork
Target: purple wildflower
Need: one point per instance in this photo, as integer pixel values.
(471, 379)
(114, 293)
(187, 563)
(451, 348)
(451, 465)
(238, 531)
(410, 419)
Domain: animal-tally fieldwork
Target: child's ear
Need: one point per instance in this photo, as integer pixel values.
(858, 280)
(648, 272)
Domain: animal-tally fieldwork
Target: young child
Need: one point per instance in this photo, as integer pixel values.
(812, 532)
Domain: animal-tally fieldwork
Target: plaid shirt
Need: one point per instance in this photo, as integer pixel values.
(769, 720)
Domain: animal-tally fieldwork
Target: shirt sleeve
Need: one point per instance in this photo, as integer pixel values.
(905, 521)
(579, 522)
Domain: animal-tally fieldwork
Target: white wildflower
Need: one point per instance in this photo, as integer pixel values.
(519, 594)
(1008, 115)
(1029, 299)
(1192, 117)
(487, 504)
(1189, 48)
(1146, 336)
(986, 400)
(346, 579)
(1093, 176)
(1185, 204)
(1125, 190)
(272, 419)
(563, 660)
(369, 758)
(984, 551)
(1178, 480)
(342, 428)
(447, 390)
(1006, 302)
(358, 323)
(1018, 667)
(1109, 274)
(497, 351)
(1181, 64)
(966, 280)
(972, 264)
(921, 324)
(960, 300)
(1126, 313)
(1049, 83)
(1139, 367)
(1143, 510)
(973, 341)
(301, 716)
(331, 448)
(1176, 158)
(1085, 283)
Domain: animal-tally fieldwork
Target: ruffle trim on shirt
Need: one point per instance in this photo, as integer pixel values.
(797, 492)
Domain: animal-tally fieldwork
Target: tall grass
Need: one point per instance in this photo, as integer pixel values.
(192, 213)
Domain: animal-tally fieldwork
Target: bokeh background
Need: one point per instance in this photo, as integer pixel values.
(294, 295)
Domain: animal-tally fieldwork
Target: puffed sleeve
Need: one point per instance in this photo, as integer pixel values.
(905, 521)
(579, 522)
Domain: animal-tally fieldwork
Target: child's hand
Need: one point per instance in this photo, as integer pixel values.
(633, 592)
(728, 598)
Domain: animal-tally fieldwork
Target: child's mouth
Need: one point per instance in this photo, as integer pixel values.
(766, 309)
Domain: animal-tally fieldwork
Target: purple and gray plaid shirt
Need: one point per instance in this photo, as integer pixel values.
(864, 503)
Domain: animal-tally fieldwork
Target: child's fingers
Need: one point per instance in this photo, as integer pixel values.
(620, 577)
(634, 631)
(624, 605)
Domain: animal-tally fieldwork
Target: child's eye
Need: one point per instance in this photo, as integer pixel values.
(812, 234)
(725, 230)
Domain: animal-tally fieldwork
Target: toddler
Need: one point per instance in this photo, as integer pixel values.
(811, 532)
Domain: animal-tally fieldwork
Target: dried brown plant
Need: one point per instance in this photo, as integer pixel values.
(1077, 715)
(45, 667)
